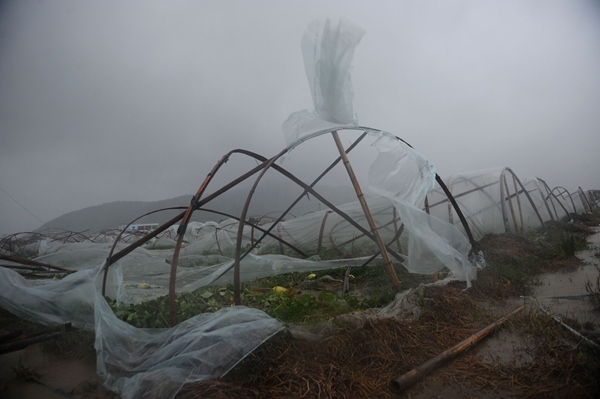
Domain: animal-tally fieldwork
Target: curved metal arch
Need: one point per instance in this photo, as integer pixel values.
(564, 193)
(197, 202)
(593, 198)
(66, 235)
(544, 198)
(584, 200)
(516, 181)
(307, 188)
(257, 227)
(114, 258)
(550, 193)
(29, 237)
(266, 164)
(270, 163)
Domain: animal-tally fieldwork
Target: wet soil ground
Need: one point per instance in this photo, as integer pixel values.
(561, 293)
(55, 377)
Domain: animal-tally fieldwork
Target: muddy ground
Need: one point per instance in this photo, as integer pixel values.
(531, 356)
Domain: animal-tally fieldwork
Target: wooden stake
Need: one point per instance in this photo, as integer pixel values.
(363, 203)
(410, 378)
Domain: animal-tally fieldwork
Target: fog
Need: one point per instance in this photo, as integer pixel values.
(110, 100)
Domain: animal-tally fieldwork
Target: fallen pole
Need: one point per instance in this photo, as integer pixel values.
(410, 378)
(17, 340)
(591, 344)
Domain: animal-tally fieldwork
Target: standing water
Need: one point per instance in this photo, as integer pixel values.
(564, 294)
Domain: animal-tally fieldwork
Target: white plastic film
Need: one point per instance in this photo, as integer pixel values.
(328, 50)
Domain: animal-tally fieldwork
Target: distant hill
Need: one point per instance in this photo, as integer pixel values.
(271, 199)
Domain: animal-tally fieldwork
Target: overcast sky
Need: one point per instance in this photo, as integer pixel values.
(136, 100)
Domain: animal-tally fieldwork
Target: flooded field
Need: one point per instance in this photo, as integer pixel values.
(564, 293)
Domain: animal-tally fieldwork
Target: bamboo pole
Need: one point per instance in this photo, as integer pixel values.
(14, 342)
(519, 203)
(363, 203)
(410, 378)
(510, 204)
(23, 343)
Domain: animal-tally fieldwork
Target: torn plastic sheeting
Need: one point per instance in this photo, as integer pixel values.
(434, 244)
(155, 363)
(52, 302)
(255, 267)
(399, 173)
(327, 50)
(152, 363)
(402, 175)
(303, 125)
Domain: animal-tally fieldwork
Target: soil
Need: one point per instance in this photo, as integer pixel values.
(52, 377)
(560, 293)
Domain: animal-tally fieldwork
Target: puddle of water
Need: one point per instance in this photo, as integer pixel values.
(507, 348)
(564, 294)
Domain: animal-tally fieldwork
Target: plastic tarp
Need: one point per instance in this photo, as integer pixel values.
(152, 363)
(399, 173)
(328, 50)
(403, 176)
(206, 259)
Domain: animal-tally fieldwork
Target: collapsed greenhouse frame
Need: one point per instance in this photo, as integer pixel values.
(132, 362)
(498, 201)
(198, 203)
(125, 372)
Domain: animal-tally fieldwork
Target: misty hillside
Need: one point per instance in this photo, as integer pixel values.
(271, 199)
